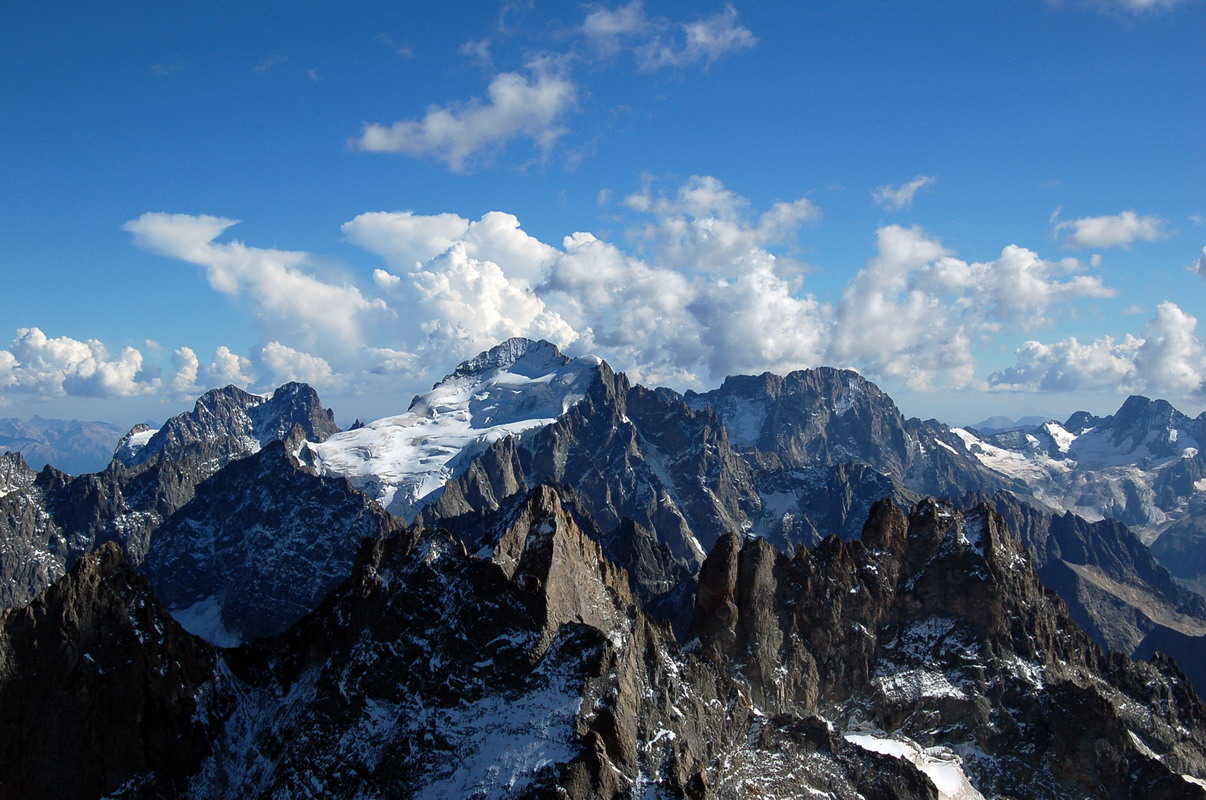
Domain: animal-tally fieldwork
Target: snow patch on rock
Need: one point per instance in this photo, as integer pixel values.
(204, 619)
(942, 766)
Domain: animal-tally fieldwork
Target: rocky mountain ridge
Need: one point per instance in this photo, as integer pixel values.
(51, 519)
(228, 423)
(663, 475)
(659, 477)
(923, 661)
(259, 545)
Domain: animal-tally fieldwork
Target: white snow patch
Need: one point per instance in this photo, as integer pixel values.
(1027, 671)
(1096, 448)
(1062, 437)
(1034, 469)
(971, 532)
(133, 443)
(945, 446)
(204, 619)
(942, 766)
(1141, 746)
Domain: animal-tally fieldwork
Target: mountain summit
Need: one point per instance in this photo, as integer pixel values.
(404, 461)
(228, 423)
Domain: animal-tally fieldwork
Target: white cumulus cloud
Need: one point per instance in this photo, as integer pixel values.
(229, 368)
(274, 280)
(1114, 230)
(1199, 266)
(916, 312)
(41, 365)
(895, 198)
(658, 43)
(518, 105)
(287, 364)
(704, 226)
(1167, 359)
(607, 30)
(405, 240)
(188, 367)
(473, 305)
(702, 41)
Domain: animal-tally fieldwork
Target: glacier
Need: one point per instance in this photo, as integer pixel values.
(404, 461)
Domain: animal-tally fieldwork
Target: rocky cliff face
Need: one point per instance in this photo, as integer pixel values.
(98, 689)
(923, 661)
(1113, 586)
(628, 453)
(30, 543)
(824, 417)
(942, 620)
(261, 543)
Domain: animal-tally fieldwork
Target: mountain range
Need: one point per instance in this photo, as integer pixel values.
(72, 445)
(542, 580)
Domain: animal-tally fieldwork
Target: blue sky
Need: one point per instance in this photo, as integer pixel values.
(723, 158)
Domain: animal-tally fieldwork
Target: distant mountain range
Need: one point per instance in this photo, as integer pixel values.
(998, 423)
(542, 580)
(71, 445)
(1143, 465)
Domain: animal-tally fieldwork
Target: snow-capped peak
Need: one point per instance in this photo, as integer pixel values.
(405, 460)
(133, 442)
(517, 354)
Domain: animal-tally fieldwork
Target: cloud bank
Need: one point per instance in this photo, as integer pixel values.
(702, 284)
(1167, 359)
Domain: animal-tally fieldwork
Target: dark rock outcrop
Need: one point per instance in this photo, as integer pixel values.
(98, 690)
(259, 546)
